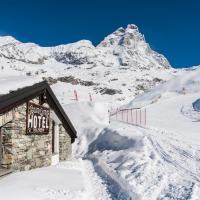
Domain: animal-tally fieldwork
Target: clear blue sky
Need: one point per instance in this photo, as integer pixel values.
(172, 27)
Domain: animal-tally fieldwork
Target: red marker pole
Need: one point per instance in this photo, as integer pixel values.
(140, 117)
(90, 97)
(76, 95)
(131, 115)
(127, 115)
(136, 116)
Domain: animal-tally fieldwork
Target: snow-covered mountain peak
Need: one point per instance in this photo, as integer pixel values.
(79, 44)
(76, 53)
(129, 45)
(4, 40)
(132, 26)
(122, 37)
(86, 43)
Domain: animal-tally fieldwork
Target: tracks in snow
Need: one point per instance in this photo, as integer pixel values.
(180, 181)
(118, 188)
(183, 158)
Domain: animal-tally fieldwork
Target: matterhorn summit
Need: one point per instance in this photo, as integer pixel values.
(130, 47)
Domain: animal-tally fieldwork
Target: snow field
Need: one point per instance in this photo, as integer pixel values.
(157, 162)
(67, 181)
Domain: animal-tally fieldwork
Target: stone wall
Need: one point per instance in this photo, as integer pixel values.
(7, 143)
(24, 152)
(65, 147)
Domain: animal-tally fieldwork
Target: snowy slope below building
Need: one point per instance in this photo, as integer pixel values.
(67, 181)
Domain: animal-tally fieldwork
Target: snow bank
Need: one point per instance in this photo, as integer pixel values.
(45, 183)
(67, 181)
(89, 119)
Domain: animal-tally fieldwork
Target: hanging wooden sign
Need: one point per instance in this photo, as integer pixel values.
(38, 118)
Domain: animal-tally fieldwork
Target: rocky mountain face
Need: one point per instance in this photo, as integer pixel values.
(123, 64)
(130, 47)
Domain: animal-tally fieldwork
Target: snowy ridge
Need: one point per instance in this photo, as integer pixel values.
(187, 82)
(120, 67)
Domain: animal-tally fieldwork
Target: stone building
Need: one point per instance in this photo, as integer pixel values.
(34, 129)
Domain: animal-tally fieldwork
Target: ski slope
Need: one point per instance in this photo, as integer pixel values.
(176, 115)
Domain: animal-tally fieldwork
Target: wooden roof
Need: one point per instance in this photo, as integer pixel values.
(20, 96)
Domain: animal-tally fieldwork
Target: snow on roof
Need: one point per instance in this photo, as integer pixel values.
(11, 83)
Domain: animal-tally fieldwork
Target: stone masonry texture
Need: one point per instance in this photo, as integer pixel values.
(25, 152)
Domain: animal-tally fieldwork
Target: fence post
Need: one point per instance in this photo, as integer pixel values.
(109, 113)
(90, 96)
(131, 115)
(136, 116)
(76, 95)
